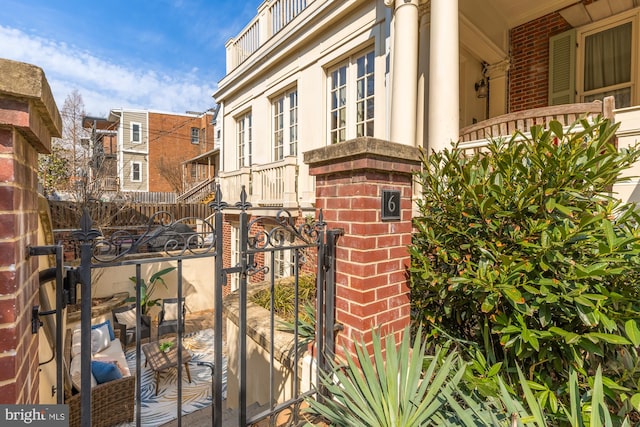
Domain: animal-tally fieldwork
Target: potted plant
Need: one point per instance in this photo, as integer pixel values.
(147, 289)
(166, 346)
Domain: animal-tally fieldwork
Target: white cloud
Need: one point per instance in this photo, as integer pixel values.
(106, 84)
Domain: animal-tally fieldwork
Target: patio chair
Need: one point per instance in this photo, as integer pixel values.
(124, 319)
(168, 317)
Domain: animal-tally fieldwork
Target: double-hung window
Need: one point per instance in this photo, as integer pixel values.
(195, 135)
(608, 63)
(243, 125)
(595, 61)
(136, 171)
(136, 137)
(351, 98)
(285, 125)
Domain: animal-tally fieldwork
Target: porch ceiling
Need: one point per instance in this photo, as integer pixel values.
(515, 13)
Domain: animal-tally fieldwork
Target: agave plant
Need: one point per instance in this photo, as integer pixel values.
(399, 386)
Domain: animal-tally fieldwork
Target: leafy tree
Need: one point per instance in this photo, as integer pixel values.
(522, 253)
(54, 170)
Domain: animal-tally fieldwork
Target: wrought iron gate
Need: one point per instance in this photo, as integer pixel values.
(164, 239)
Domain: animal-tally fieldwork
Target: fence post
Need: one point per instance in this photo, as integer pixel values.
(353, 180)
(29, 119)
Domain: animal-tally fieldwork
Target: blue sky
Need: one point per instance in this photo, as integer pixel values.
(163, 55)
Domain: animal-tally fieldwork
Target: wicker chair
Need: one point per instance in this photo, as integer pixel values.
(128, 333)
(111, 403)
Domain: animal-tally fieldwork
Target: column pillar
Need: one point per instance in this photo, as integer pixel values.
(372, 256)
(404, 72)
(444, 75)
(28, 120)
(423, 77)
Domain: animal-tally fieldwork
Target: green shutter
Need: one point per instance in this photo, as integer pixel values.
(562, 68)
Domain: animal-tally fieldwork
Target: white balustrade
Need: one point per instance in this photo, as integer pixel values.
(269, 21)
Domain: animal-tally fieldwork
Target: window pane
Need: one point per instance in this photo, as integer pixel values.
(608, 57)
(370, 59)
(622, 97)
(361, 68)
(343, 75)
(360, 112)
(369, 109)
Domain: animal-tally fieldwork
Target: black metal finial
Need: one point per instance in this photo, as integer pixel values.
(320, 221)
(243, 203)
(86, 233)
(217, 204)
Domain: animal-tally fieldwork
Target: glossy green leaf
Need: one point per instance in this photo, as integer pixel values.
(632, 331)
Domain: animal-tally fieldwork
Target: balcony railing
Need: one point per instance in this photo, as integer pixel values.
(273, 16)
(478, 134)
(269, 185)
(275, 184)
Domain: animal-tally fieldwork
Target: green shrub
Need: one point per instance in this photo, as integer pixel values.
(522, 254)
(284, 296)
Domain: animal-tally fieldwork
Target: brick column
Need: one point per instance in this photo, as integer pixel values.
(28, 120)
(372, 255)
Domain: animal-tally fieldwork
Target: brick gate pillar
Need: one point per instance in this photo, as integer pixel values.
(28, 119)
(372, 257)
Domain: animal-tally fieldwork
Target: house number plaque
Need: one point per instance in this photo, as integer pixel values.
(390, 205)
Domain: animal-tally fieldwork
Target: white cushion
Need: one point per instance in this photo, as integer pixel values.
(76, 337)
(116, 353)
(170, 311)
(100, 339)
(113, 352)
(127, 318)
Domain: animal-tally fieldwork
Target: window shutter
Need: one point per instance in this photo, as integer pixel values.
(562, 68)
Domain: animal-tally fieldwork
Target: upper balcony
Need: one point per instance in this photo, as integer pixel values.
(273, 16)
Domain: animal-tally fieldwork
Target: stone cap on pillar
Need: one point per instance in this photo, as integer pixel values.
(27, 104)
(363, 153)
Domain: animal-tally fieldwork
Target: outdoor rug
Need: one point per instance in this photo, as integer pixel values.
(160, 409)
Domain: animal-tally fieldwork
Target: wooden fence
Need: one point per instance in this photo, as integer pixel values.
(66, 215)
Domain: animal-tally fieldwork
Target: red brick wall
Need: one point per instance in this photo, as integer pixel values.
(170, 139)
(18, 273)
(529, 71)
(372, 257)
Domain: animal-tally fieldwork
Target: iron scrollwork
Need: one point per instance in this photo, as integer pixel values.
(162, 234)
(280, 233)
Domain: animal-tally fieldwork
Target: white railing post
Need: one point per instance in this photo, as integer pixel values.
(230, 46)
(290, 183)
(264, 22)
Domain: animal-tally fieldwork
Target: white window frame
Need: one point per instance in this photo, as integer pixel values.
(282, 263)
(195, 136)
(133, 164)
(597, 27)
(349, 101)
(244, 137)
(139, 140)
(284, 134)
